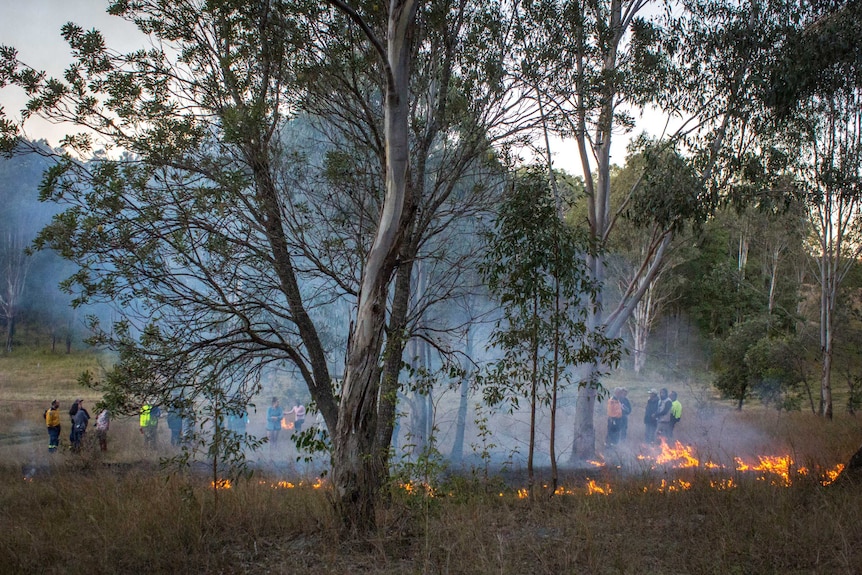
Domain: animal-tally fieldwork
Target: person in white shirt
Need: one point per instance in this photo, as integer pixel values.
(299, 416)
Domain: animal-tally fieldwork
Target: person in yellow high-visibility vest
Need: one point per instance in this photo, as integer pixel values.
(675, 411)
(149, 422)
(52, 421)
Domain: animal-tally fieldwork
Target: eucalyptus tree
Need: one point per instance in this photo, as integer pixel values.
(531, 268)
(631, 239)
(20, 219)
(461, 107)
(604, 62)
(186, 231)
(203, 230)
(815, 89)
(828, 138)
(14, 268)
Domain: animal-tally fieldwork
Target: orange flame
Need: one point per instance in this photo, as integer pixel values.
(779, 467)
(414, 487)
(679, 455)
(594, 488)
(831, 475)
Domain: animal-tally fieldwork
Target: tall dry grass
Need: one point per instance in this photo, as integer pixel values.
(81, 520)
(120, 512)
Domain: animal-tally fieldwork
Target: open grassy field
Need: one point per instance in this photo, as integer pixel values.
(118, 512)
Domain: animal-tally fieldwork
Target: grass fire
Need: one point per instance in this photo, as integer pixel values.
(751, 492)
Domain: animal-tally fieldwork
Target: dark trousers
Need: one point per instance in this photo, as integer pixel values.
(649, 435)
(53, 438)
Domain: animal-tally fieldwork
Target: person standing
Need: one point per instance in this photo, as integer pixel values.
(274, 414)
(73, 411)
(663, 415)
(675, 411)
(103, 422)
(149, 421)
(650, 416)
(52, 421)
(627, 410)
(298, 411)
(82, 419)
(615, 416)
(175, 424)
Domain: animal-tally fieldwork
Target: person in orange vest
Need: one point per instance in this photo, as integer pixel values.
(618, 411)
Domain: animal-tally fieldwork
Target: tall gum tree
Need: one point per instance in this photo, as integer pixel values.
(197, 231)
(356, 466)
(602, 62)
(829, 169)
(460, 108)
(815, 87)
(188, 228)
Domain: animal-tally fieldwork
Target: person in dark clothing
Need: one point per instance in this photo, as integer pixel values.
(73, 411)
(175, 424)
(82, 419)
(627, 409)
(650, 422)
(663, 416)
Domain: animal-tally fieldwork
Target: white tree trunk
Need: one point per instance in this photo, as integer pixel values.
(356, 461)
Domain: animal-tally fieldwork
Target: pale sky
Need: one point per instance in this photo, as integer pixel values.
(33, 28)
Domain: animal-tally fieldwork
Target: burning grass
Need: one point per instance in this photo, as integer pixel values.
(67, 520)
(716, 503)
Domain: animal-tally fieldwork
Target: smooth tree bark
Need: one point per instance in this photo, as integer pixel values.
(456, 116)
(204, 193)
(594, 67)
(832, 173)
(356, 459)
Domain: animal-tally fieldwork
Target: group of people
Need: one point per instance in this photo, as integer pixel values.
(79, 419)
(180, 423)
(663, 411)
(274, 416)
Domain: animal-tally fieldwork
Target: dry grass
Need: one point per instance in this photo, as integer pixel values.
(119, 512)
(73, 520)
(41, 376)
